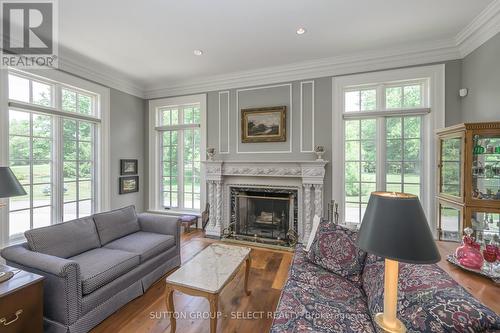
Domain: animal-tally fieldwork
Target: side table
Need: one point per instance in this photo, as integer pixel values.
(21, 302)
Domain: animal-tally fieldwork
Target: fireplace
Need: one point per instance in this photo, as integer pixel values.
(264, 215)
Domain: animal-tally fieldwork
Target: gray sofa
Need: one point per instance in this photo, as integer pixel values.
(95, 265)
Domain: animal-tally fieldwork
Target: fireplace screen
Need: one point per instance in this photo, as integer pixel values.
(263, 214)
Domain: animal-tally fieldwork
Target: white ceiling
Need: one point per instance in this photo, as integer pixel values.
(151, 42)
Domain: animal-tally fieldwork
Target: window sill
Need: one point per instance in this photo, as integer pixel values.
(175, 212)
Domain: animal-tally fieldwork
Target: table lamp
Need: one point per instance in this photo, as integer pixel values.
(394, 227)
(9, 187)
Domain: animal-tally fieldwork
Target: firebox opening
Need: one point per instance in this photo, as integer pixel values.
(263, 214)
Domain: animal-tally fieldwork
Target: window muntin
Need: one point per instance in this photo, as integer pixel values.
(360, 100)
(30, 158)
(23, 88)
(78, 169)
(180, 156)
(30, 91)
(55, 162)
(360, 166)
(403, 155)
(401, 164)
(383, 131)
(76, 101)
(384, 97)
(404, 96)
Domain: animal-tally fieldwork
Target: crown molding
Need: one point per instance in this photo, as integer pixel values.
(408, 55)
(97, 72)
(482, 28)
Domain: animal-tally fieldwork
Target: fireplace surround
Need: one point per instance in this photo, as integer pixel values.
(305, 178)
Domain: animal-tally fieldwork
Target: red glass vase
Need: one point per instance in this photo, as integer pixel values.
(468, 254)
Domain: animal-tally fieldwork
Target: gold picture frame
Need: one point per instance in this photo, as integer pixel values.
(265, 124)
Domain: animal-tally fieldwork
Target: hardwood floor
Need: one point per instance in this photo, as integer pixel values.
(268, 273)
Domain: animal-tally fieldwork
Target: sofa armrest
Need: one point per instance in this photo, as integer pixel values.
(21, 255)
(62, 284)
(161, 224)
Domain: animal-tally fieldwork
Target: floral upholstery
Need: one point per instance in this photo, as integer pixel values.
(316, 300)
(429, 300)
(334, 248)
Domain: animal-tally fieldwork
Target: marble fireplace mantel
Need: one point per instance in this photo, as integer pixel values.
(307, 175)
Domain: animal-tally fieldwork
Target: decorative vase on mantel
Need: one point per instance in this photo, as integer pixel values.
(319, 151)
(210, 154)
(469, 253)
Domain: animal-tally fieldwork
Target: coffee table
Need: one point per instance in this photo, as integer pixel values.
(206, 275)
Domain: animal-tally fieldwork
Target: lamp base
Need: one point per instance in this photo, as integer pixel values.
(399, 328)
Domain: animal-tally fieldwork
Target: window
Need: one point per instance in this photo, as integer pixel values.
(360, 166)
(179, 132)
(181, 159)
(53, 132)
(386, 121)
(78, 168)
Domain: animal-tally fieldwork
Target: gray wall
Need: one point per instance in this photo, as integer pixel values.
(453, 77)
(480, 72)
(223, 119)
(127, 142)
(481, 75)
(290, 94)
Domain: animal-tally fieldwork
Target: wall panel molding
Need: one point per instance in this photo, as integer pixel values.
(289, 116)
(311, 130)
(221, 117)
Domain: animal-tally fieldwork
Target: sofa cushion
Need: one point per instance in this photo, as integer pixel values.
(101, 266)
(64, 240)
(146, 244)
(116, 224)
(303, 270)
(429, 300)
(307, 308)
(334, 248)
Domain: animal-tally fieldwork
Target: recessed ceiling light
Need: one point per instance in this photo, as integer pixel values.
(198, 52)
(301, 31)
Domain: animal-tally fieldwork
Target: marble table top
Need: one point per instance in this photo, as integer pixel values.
(211, 269)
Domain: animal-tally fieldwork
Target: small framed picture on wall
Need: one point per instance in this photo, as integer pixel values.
(129, 167)
(129, 184)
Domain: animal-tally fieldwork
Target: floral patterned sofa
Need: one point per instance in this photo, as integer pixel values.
(317, 300)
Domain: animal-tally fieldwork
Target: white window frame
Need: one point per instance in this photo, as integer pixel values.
(102, 107)
(433, 113)
(155, 181)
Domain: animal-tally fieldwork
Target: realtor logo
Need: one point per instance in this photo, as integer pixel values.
(28, 34)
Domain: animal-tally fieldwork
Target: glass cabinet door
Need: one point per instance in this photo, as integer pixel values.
(486, 226)
(451, 163)
(450, 222)
(486, 167)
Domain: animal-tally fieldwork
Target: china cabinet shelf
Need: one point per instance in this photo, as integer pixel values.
(469, 180)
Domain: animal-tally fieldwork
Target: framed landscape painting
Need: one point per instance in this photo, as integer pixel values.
(129, 184)
(266, 124)
(128, 167)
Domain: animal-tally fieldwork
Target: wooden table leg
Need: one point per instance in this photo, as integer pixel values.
(170, 307)
(247, 272)
(214, 307)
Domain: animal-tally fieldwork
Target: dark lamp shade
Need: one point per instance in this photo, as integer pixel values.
(9, 185)
(394, 227)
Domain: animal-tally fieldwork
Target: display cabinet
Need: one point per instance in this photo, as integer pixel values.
(469, 180)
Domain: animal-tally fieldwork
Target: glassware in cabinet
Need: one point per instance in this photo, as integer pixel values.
(485, 168)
